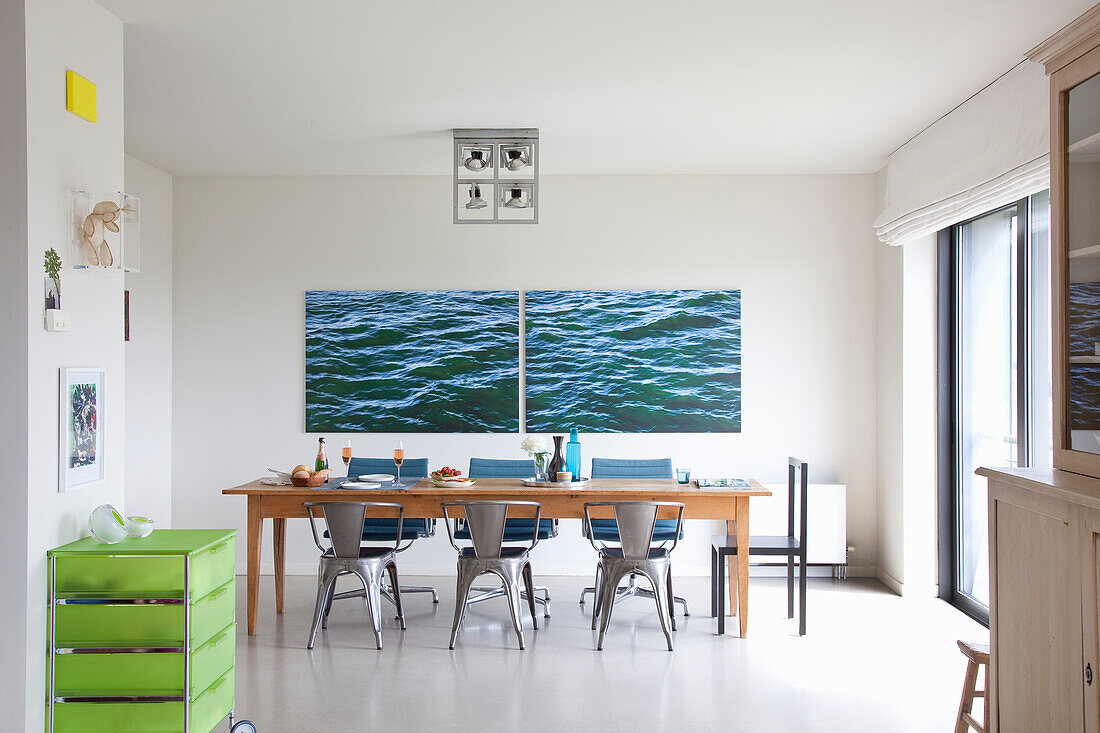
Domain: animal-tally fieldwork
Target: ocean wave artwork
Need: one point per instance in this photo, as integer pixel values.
(626, 361)
(1084, 375)
(403, 362)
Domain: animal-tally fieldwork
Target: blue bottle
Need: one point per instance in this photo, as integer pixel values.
(573, 455)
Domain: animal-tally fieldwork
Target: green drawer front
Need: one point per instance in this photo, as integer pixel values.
(144, 624)
(144, 674)
(118, 674)
(147, 717)
(213, 568)
(146, 575)
(213, 659)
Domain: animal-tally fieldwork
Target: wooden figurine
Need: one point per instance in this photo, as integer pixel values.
(105, 216)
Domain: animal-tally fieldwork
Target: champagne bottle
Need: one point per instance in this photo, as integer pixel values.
(322, 460)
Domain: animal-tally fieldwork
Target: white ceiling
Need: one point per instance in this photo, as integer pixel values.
(353, 87)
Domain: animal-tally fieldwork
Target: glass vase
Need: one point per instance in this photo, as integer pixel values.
(542, 462)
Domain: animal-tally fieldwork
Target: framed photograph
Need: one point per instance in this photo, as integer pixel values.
(82, 442)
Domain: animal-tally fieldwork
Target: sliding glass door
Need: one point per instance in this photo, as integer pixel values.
(998, 379)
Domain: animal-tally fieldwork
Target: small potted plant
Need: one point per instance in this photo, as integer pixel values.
(53, 279)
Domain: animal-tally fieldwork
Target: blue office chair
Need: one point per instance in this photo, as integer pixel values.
(605, 530)
(379, 529)
(516, 529)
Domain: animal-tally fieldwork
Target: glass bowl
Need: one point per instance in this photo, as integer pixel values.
(106, 525)
(139, 526)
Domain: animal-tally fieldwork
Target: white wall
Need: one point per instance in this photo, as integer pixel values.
(906, 313)
(920, 437)
(66, 152)
(889, 413)
(149, 351)
(799, 247)
(13, 361)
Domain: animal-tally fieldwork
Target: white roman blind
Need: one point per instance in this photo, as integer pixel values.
(989, 151)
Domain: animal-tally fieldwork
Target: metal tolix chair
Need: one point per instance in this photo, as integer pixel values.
(516, 529)
(346, 556)
(605, 529)
(381, 529)
(485, 522)
(635, 522)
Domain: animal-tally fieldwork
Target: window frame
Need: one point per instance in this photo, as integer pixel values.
(949, 405)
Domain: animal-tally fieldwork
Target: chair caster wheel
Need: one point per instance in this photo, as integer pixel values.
(243, 726)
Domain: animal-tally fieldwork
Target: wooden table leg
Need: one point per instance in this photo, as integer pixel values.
(731, 560)
(255, 534)
(278, 539)
(743, 563)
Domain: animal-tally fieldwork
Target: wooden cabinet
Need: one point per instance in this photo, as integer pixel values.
(1044, 623)
(1044, 525)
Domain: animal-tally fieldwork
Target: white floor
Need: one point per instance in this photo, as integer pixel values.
(871, 661)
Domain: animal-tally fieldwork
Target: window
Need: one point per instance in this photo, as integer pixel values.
(995, 389)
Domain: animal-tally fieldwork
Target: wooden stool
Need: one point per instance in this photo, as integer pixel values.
(976, 655)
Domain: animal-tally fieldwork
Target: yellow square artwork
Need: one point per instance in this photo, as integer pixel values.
(80, 96)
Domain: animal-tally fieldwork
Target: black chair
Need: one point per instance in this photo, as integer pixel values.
(789, 546)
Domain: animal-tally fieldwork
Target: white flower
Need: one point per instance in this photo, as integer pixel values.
(533, 445)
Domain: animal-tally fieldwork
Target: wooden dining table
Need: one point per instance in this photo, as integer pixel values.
(425, 500)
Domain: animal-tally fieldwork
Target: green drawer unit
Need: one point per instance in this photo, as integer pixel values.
(142, 633)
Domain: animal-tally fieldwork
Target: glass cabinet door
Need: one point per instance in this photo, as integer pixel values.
(1082, 299)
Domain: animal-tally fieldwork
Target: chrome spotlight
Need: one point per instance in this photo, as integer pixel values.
(476, 202)
(515, 199)
(517, 157)
(477, 159)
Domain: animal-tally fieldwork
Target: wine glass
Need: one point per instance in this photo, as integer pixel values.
(345, 453)
(398, 458)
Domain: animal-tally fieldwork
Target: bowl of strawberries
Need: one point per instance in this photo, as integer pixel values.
(450, 478)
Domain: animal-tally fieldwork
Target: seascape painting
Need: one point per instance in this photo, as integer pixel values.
(424, 362)
(624, 361)
(1084, 376)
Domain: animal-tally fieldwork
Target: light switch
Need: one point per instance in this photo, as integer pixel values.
(58, 320)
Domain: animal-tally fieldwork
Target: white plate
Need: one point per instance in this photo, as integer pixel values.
(360, 485)
(378, 477)
(454, 484)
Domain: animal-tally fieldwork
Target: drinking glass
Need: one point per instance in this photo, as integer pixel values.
(683, 475)
(345, 453)
(398, 458)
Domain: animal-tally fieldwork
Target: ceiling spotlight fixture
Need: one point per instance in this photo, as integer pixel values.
(516, 158)
(476, 202)
(477, 159)
(514, 199)
(495, 176)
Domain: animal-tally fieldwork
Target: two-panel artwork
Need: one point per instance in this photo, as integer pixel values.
(610, 361)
